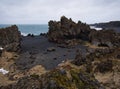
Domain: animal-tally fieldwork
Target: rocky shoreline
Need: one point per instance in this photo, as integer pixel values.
(70, 56)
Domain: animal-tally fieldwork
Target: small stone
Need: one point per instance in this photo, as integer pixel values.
(51, 49)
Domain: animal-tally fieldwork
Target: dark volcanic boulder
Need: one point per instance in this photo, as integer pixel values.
(66, 29)
(107, 38)
(10, 38)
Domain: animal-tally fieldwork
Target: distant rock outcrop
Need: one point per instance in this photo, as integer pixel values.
(10, 38)
(66, 29)
(115, 25)
(108, 24)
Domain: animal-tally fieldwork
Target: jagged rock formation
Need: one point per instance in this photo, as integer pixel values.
(107, 38)
(66, 29)
(91, 54)
(66, 77)
(10, 38)
(104, 63)
(68, 32)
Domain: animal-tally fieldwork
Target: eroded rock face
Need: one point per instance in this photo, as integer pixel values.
(104, 63)
(91, 54)
(106, 38)
(66, 29)
(67, 78)
(10, 38)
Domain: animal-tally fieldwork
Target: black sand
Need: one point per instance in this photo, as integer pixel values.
(34, 52)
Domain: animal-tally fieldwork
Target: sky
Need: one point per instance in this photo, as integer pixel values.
(41, 11)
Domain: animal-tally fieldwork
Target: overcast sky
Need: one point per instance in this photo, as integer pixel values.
(41, 11)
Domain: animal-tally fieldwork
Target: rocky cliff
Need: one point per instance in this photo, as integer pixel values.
(10, 38)
(68, 32)
(66, 29)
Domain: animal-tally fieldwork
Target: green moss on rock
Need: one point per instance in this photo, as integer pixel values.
(58, 79)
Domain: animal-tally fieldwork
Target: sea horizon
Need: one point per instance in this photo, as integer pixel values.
(35, 29)
(26, 29)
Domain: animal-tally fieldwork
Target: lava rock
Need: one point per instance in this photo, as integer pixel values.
(10, 38)
(105, 66)
(57, 79)
(51, 49)
(104, 38)
(79, 59)
(30, 35)
(66, 29)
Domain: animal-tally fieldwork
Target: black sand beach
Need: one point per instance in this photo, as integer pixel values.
(34, 52)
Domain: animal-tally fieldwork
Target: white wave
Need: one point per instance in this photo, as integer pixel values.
(1, 48)
(93, 27)
(24, 34)
(98, 28)
(3, 71)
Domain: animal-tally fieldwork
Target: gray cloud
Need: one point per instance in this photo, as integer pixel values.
(41, 11)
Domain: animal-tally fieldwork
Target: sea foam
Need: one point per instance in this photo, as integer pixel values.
(24, 34)
(97, 28)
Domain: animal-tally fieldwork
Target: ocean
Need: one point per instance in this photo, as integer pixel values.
(25, 29)
(35, 29)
